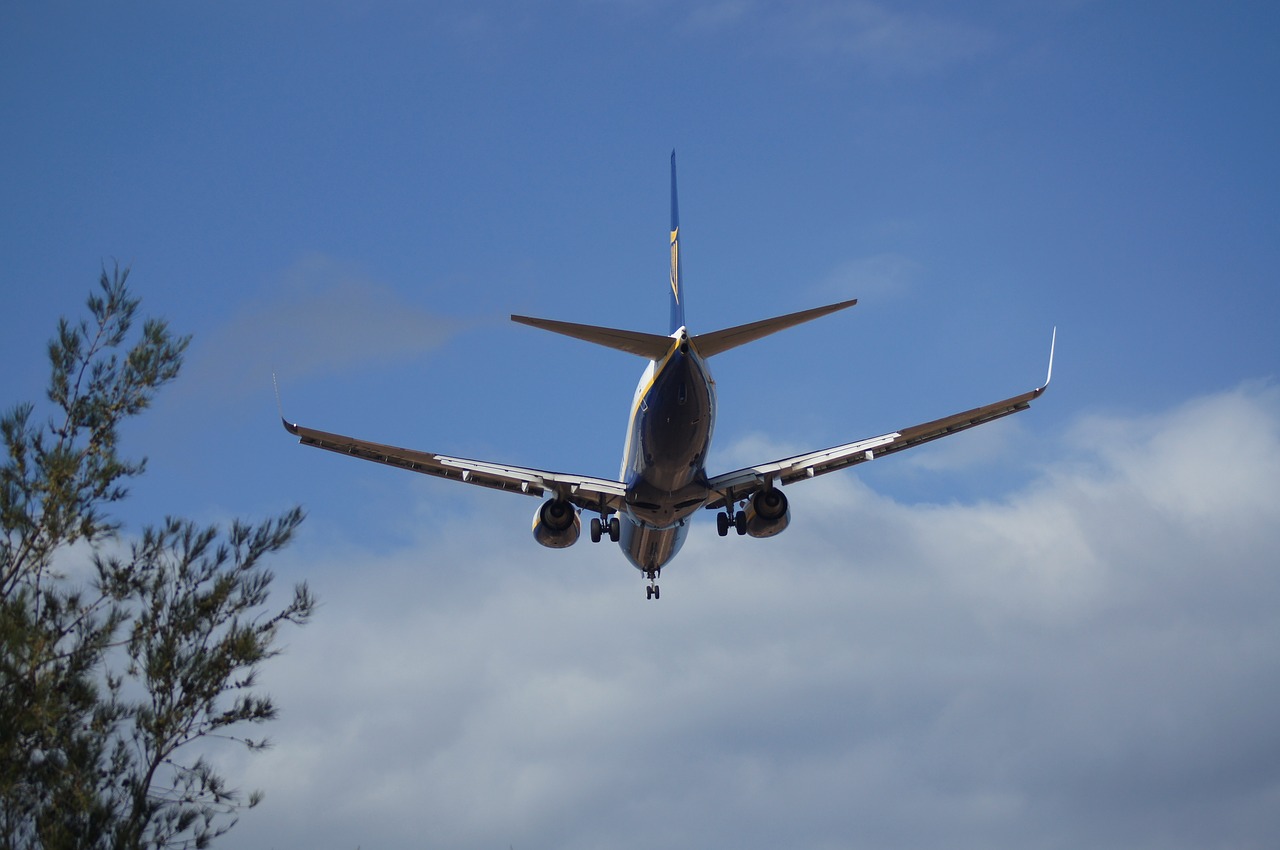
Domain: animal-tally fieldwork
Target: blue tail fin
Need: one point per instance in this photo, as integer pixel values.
(677, 282)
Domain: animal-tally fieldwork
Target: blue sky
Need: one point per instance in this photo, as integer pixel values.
(1054, 631)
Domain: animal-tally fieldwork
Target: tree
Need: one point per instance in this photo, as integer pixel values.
(109, 684)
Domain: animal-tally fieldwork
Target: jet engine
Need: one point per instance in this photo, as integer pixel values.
(767, 513)
(556, 524)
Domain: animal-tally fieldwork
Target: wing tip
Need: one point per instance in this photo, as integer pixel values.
(1053, 344)
(291, 427)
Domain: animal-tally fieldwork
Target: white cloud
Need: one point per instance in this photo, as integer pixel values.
(721, 14)
(324, 319)
(879, 275)
(869, 35)
(1093, 660)
(888, 39)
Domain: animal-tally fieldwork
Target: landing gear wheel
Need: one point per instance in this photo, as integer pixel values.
(740, 522)
(601, 526)
(722, 524)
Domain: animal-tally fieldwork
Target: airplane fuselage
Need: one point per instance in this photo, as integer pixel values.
(663, 465)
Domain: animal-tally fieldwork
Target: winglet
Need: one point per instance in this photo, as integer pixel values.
(1053, 342)
(288, 426)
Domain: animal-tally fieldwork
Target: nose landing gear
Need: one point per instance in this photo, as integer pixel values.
(651, 592)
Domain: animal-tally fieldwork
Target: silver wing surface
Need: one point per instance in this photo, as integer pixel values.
(594, 494)
(743, 483)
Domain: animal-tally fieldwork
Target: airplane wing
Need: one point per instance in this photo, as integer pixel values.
(743, 483)
(593, 494)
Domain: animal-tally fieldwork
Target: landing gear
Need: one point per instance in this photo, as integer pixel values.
(730, 518)
(652, 592)
(599, 528)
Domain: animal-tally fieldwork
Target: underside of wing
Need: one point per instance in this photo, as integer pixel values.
(595, 494)
(652, 346)
(717, 342)
(742, 483)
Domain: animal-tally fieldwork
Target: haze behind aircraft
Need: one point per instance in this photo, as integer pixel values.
(663, 480)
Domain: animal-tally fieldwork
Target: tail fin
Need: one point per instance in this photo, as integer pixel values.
(677, 282)
(656, 347)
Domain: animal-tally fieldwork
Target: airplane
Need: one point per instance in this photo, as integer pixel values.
(663, 480)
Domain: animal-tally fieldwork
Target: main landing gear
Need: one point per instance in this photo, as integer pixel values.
(601, 526)
(651, 592)
(730, 518)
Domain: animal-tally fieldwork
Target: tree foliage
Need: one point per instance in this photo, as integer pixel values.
(114, 672)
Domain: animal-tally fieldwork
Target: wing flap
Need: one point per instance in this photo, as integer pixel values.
(742, 483)
(589, 493)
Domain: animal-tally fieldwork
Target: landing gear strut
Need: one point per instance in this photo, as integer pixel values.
(651, 592)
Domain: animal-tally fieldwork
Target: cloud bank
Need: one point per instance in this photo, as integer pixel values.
(1092, 660)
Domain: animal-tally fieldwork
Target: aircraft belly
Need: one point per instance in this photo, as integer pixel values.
(650, 548)
(674, 425)
(666, 480)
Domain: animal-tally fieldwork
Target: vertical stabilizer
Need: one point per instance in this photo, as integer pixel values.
(677, 282)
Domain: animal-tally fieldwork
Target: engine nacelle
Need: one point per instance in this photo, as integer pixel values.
(767, 513)
(556, 524)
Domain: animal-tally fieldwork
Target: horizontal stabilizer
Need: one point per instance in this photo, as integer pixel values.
(716, 342)
(652, 346)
